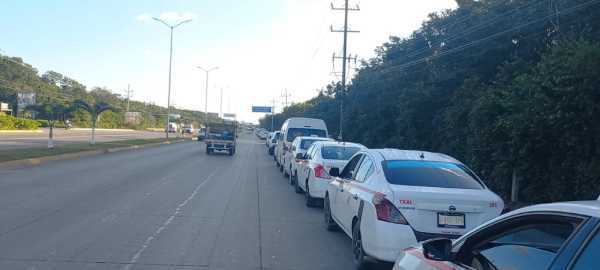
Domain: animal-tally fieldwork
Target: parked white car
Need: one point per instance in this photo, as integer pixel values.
(296, 127)
(272, 141)
(546, 236)
(388, 199)
(299, 146)
(311, 175)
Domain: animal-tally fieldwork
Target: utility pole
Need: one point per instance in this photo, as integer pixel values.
(346, 9)
(286, 95)
(221, 104)
(207, 71)
(273, 115)
(171, 27)
(129, 91)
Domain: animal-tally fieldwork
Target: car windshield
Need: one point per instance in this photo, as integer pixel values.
(298, 132)
(429, 174)
(338, 152)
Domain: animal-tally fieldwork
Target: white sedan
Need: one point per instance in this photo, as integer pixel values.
(387, 200)
(547, 236)
(299, 146)
(311, 176)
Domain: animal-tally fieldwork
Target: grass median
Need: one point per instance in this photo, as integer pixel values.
(37, 152)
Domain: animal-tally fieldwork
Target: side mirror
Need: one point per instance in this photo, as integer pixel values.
(300, 156)
(335, 172)
(438, 249)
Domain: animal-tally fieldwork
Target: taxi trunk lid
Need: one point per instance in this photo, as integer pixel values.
(444, 210)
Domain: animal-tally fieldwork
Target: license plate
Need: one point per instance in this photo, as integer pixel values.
(451, 220)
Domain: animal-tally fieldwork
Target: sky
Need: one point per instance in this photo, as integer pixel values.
(260, 47)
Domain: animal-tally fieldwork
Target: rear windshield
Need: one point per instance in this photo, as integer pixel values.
(338, 152)
(429, 174)
(305, 144)
(297, 132)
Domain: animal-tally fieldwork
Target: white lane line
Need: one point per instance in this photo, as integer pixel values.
(165, 224)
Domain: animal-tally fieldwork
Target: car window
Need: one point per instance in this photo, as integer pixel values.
(366, 167)
(306, 143)
(526, 247)
(348, 171)
(589, 257)
(292, 133)
(338, 152)
(429, 174)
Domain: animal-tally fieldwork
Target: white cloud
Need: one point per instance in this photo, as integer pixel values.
(144, 17)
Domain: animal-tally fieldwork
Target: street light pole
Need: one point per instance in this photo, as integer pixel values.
(171, 28)
(206, 71)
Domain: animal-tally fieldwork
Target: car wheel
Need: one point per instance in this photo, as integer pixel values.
(359, 257)
(297, 188)
(292, 178)
(330, 224)
(207, 150)
(310, 201)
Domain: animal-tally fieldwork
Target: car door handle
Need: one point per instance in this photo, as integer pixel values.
(355, 196)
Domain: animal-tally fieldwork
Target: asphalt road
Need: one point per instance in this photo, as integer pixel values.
(62, 136)
(167, 207)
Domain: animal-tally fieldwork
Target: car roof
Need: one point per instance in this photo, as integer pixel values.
(398, 154)
(586, 208)
(312, 138)
(336, 143)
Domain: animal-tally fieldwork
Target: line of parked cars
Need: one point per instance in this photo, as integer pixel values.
(425, 210)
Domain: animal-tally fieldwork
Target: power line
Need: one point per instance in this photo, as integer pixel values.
(475, 28)
(490, 37)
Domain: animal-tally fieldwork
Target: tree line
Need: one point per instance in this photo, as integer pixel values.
(56, 89)
(508, 87)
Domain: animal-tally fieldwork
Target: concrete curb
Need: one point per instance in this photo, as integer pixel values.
(22, 163)
(21, 131)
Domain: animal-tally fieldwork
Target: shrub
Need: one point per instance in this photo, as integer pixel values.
(10, 123)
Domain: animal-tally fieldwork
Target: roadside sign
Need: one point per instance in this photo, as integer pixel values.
(229, 115)
(262, 109)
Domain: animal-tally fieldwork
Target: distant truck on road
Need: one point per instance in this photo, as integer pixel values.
(221, 136)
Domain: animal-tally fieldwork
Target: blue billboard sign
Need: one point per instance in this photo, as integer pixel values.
(261, 109)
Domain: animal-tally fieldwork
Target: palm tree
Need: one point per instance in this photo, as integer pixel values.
(94, 109)
(52, 111)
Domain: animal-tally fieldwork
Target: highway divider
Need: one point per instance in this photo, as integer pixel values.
(19, 158)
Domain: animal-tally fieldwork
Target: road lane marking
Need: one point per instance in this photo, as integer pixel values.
(165, 224)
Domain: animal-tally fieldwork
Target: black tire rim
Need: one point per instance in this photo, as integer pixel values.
(357, 245)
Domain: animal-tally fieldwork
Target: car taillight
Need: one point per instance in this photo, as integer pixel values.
(386, 211)
(320, 172)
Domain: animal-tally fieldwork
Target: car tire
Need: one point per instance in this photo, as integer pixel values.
(207, 150)
(297, 188)
(330, 224)
(358, 253)
(292, 179)
(310, 201)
